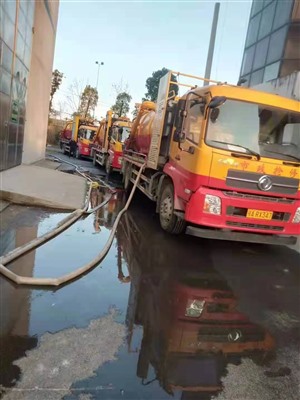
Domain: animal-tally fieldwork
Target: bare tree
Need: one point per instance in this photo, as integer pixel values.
(73, 95)
(120, 87)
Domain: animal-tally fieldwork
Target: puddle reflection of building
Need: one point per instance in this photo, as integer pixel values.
(191, 325)
(15, 309)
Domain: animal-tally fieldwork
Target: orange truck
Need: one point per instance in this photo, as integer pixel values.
(221, 162)
(77, 137)
(109, 141)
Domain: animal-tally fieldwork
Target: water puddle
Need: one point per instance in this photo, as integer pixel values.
(182, 330)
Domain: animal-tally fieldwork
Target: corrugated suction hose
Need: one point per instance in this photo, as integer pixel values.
(64, 224)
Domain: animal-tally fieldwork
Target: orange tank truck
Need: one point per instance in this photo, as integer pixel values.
(77, 137)
(221, 162)
(109, 142)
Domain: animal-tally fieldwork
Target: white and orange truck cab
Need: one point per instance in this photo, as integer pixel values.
(109, 142)
(77, 137)
(222, 162)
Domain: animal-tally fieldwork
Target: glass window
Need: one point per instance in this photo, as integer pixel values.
(21, 69)
(8, 31)
(271, 71)
(30, 15)
(261, 53)
(194, 118)
(257, 77)
(267, 2)
(7, 57)
(21, 22)
(256, 6)
(27, 56)
(283, 12)
(5, 81)
(10, 8)
(20, 46)
(24, 6)
(253, 30)
(28, 34)
(266, 20)
(248, 60)
(276, 45)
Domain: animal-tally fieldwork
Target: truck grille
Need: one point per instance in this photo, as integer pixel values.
(242, 212)
(254, 226)
(231, 334)
(250, 180)
(258, 197)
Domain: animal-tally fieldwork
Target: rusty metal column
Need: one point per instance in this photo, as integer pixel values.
(212, 43)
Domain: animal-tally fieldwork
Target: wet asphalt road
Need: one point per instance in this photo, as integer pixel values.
(161, 316)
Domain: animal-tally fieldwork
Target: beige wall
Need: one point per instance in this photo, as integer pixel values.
(39, 83)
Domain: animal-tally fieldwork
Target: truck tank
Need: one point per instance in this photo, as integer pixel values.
(140, 137)
(100, 136)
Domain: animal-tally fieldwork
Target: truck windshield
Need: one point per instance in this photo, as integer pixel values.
(86, 133)
(254, 128)
(125, 134)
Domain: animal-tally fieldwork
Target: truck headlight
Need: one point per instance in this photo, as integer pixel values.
(194, 308)
(212, 204)
(296, 219)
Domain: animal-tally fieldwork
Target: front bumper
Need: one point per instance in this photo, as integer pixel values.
(117, 158)
(238, 227)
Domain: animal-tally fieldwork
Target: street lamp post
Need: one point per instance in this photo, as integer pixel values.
(98, 63)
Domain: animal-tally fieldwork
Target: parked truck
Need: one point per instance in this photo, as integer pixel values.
(221, 161)
(109, 141)
(77, 137)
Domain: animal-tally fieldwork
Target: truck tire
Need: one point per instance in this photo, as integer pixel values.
(168, 220)
(126, 178)
(108, 167)
(77, 154)
(94, 159)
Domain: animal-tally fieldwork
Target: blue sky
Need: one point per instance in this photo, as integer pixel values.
(133, 39)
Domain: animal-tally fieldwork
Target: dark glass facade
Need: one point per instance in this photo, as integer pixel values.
(272, 43)
(16, 22)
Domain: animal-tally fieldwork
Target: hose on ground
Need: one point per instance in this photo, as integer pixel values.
(37, 242)
(80, 171)
(24, 280)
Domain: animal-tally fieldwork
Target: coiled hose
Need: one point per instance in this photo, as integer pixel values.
(24, 280)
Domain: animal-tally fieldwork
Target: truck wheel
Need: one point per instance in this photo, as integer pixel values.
(168, 220)
(77, 154)
(108, 168)
(126, 178)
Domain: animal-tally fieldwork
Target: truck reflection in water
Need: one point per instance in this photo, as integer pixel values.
(191, 324)
(105, 216)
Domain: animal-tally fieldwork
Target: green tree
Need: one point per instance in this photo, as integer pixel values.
(57, 78)
(88, 101)
(121, 106)
(152, 84)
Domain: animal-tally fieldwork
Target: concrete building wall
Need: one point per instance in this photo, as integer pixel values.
(35, 134)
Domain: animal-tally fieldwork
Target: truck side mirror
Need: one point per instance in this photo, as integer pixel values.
(217, 101)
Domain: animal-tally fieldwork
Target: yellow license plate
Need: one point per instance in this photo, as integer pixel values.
(259, 214)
